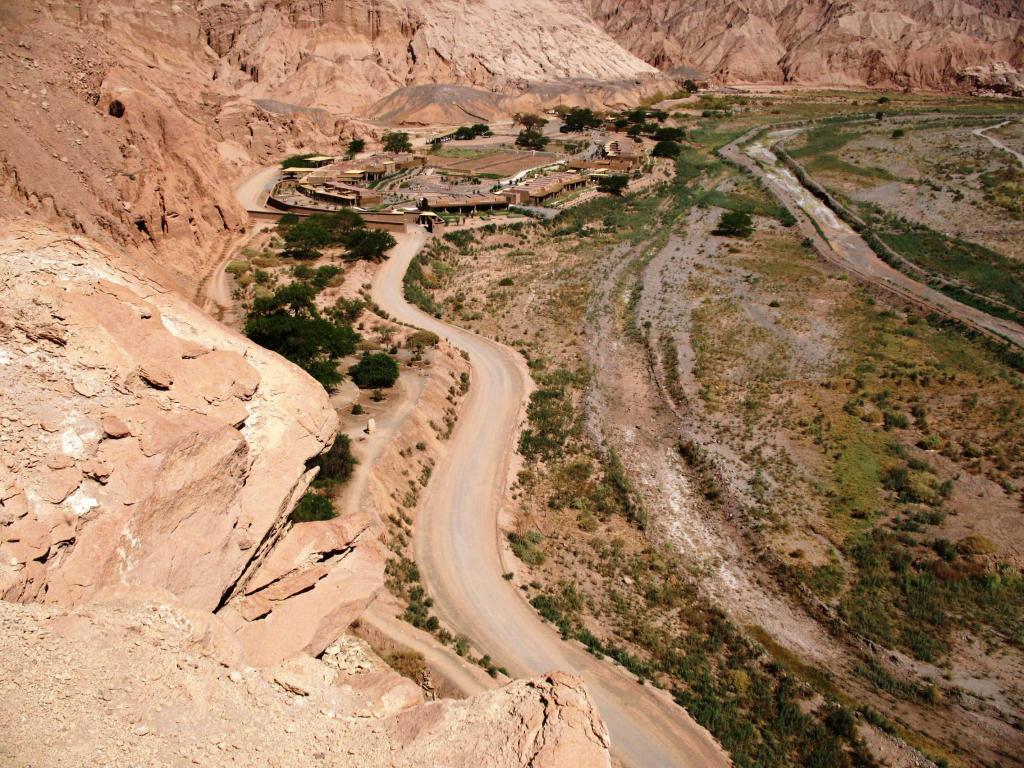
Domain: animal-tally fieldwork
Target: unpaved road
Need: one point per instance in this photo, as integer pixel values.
(214, 293)
(849, 249)
(982, 132)
(457, 549)
(253, 192)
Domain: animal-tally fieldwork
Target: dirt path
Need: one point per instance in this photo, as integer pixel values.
(848, 249)
(458, 551)
(983, 133)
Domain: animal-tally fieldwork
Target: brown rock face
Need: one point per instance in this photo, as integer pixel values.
(141, 443)
(892, 43)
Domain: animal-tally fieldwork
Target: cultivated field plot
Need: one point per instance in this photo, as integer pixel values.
(498, 164)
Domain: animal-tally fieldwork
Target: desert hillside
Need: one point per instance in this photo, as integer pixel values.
(892, 43)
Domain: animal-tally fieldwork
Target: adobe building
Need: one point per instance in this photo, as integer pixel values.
(541, 189)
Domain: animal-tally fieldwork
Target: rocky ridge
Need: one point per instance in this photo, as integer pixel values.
(882, 43)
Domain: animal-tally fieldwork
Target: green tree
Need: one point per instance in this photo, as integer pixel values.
(369, 244)
(690, 87)
(615, 184)
(666, 149)
(305, 238)
(396, 141)
(580, 119)
(467, 132)
(297, 161)
(374, 371)
(355, 146)
(531, 139)
(734, 224)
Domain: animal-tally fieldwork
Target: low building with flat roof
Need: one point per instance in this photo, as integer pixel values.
(540, 189)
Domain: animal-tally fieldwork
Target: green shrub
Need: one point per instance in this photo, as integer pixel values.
(374, 371)
(527, 547)
(313, 507)
(337, 464)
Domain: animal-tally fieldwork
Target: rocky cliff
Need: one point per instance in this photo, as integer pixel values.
(345, 54)
(143, 444)
(891, 43)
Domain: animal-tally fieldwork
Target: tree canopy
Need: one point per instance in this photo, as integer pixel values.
(368, 244)
(529, 120)
(734, 224)
(396, 141)
(615, 184)
(355, 146)
(531, 139)
(666, 149)
(467, 132)
(580, 119)
(304, 238)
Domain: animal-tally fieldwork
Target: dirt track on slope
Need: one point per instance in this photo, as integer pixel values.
(458, 552)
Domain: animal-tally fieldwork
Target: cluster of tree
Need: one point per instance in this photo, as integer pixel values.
(467, 132)
(396, 141)
(577, 119)
(666, 148)
(615, 184)
(637, 121)
(289, 323)
(304, 238)
(530, 138)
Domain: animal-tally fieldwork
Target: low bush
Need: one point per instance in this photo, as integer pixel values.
(337, 464)
(374, 371)
(313, 507)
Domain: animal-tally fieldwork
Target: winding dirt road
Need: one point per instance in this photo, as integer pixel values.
(458, 552)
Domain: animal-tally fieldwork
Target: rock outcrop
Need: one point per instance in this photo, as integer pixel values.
(152, 683)
(142, 443)
(890, 43)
